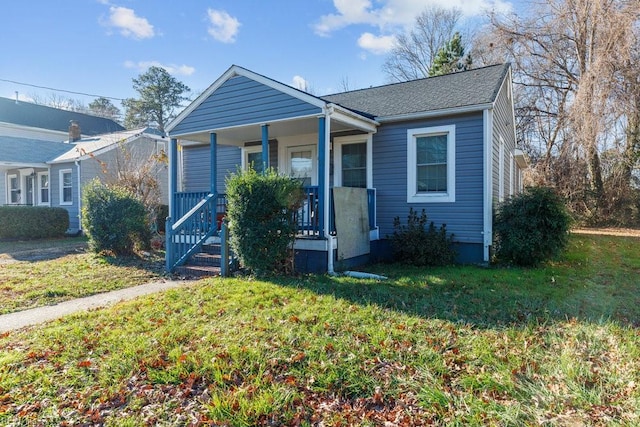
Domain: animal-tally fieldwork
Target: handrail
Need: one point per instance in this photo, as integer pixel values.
(187, 235)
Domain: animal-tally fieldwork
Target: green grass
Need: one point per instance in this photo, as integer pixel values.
(47, 272)
(556, 345)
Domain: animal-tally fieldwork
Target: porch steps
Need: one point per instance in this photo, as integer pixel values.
(202, 264)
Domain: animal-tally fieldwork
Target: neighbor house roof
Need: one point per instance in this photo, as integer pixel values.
(479, 86)
(44, 117)
(15, 150)
(86, 146)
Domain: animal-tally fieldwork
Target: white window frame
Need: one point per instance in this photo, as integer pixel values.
(61, 176)
(413, 196)
(250, 150)
(9, 189)
(161, 148)
(512, 174)
(338, 142)
(39, 188)
(314, 159)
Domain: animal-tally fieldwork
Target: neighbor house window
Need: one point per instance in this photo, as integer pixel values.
(431, 164)
(14, 189)
(160, 148)
(43, 188)
(66, 187)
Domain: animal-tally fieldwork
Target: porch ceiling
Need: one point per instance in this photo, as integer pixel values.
(238, 135)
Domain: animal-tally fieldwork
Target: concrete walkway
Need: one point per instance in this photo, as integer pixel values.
(34, 316)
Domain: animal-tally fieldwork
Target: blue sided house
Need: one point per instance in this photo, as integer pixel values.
(445, 144)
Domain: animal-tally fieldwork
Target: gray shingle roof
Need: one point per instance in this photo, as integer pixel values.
(25, 150)
(90, 145)
(463, 89)
(44, 117)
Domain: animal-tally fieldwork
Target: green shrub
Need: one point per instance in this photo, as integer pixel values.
(261, 212)
(419, 244)
(32, 222)
(531, 227)
(114, 219)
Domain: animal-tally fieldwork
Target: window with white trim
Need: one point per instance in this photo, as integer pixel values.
(66, 187)
(43, 188)
(14, 189)
(512, 175)
(352, 161)
(252, 157)
(431, 171)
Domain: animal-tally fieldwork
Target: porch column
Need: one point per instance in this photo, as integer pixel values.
(213, 179)
(265, 147)
(173, 177)
(322, 181)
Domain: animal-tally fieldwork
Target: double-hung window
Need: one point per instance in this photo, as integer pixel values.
(431, 164)
(14, 189)
(43, 188)
(352, 161)
(354, 165)
(66, 187)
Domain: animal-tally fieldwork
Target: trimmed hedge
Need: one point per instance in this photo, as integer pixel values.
(114, 219)
(32, 222)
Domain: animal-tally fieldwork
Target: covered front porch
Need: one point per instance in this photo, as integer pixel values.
(272, 125)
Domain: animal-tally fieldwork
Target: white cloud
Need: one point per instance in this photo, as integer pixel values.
(129, 24)
(396, 13)
(300, 83)
(377, 45)
(224, 27)
(176, 70)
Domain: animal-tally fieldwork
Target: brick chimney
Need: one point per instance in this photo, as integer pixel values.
(74, 131)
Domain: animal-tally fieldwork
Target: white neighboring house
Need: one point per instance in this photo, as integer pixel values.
(43, 173)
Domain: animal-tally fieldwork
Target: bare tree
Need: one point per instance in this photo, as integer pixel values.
(414, 52)
(59, 101)
(572, 63)
(136, 168)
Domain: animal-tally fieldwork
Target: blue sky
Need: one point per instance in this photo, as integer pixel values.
(98, 46)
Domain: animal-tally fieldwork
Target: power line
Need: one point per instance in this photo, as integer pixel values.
(61, 90)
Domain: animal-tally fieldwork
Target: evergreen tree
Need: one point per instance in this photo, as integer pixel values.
(103, 107)
(161, 95)
(450, 58)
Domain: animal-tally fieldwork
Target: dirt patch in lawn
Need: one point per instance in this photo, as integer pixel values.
(41, 254)
(624, 232)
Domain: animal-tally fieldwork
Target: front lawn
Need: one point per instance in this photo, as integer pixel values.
(556, 345)
(36, 273)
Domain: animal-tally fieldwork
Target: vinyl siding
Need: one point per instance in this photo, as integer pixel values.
(464, 217)
(196, 166)
(240, 101)
(503, 126)
(55, 184)
(141, 151)
(3, 188)
(4, 197)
